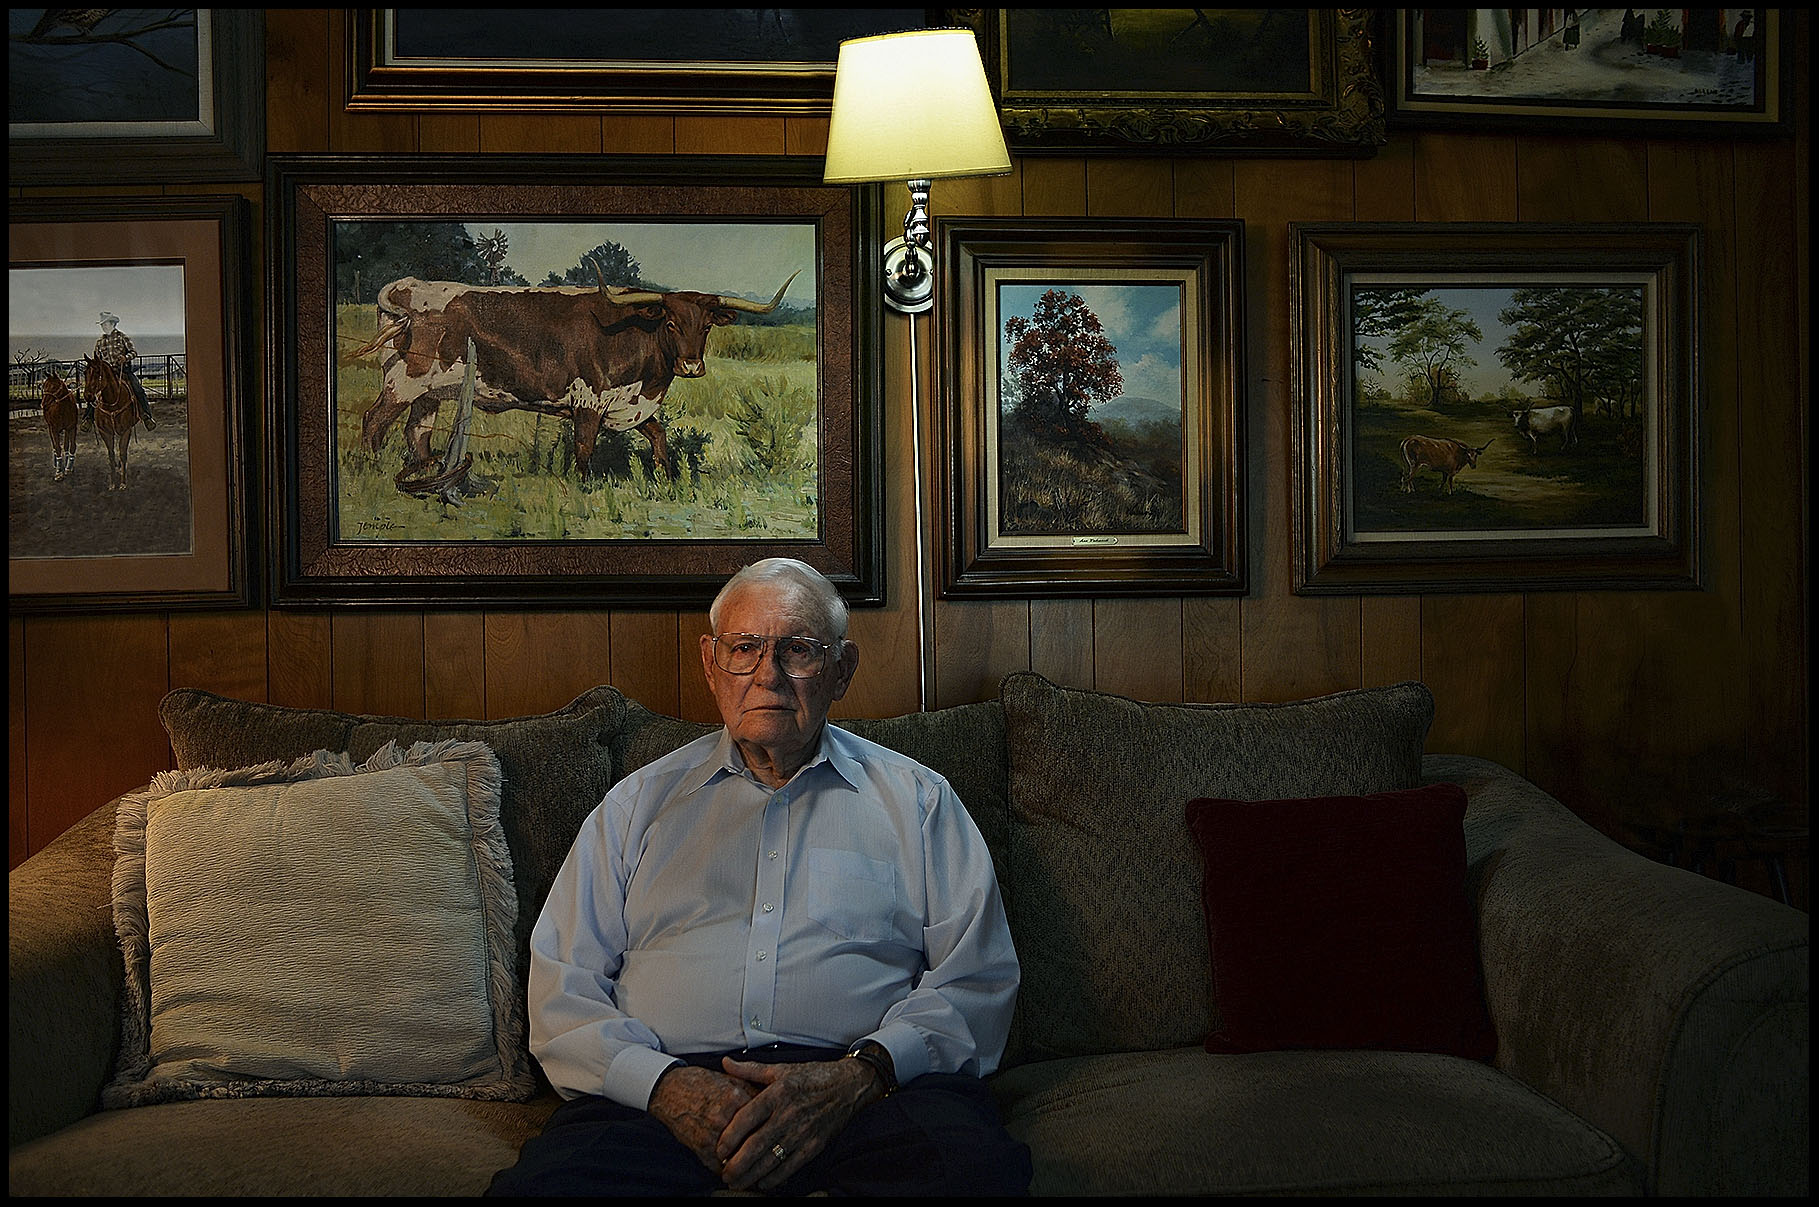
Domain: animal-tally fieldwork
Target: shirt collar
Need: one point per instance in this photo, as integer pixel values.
(723, 759)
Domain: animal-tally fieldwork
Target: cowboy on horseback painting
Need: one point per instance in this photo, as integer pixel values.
(116, 350)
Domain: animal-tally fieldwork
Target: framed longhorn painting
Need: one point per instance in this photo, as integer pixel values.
(1495, 407)
(513, 381)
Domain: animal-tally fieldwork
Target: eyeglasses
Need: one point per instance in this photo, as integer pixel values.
(800, 657)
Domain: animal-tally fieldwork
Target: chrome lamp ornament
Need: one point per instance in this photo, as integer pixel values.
(914, 107)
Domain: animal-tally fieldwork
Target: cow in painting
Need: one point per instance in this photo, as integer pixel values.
(1441, 454)
(1536, 422)
(600, 357)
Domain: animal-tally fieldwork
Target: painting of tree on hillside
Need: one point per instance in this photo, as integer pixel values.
(1079, 450)
(1092, 426)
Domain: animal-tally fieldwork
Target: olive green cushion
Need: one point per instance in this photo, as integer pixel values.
(964, 743)
(556, 766)
(1104, 891)
(1369, 1123)
(265, 1147)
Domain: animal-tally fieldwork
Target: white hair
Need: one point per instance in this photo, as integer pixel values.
(787, 571)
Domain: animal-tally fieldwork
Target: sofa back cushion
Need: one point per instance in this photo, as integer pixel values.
(965, 743)
(555, 767)
(1104, 885)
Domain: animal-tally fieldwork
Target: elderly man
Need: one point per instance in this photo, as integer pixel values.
(775, 959)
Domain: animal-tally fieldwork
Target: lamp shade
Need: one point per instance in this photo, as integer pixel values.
(913, 106)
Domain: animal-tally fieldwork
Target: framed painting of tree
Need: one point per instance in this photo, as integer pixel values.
(1093, 418)
(1495, 407)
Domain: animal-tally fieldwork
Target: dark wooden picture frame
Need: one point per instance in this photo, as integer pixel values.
(774, 61)
(176, 536)
(1297, 82)
(1173, 456)
(1627, 72)
(425, 537)
(1495, 407)
(229, 145)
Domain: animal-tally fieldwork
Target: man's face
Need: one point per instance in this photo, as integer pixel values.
(767, 709)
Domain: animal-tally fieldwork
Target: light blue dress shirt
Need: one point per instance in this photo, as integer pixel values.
(700, 910)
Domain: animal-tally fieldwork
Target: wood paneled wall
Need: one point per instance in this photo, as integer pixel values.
(1626, 705)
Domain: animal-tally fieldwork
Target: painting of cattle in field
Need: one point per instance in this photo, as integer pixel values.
(575, 380)
(522, 380)
(1505, 409)
(1496, 407)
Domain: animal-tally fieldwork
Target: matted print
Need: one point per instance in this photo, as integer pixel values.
(627, 60)
(125, 402)
(127, 95)
(1092, 424)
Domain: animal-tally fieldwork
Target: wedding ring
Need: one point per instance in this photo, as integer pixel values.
(777, 1152)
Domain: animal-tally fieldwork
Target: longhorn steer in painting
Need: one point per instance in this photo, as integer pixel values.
(1536, 422)
(598, 357)
(1441, 454)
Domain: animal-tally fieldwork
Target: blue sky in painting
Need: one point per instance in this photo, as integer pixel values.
(749, 259)
(1142, 321)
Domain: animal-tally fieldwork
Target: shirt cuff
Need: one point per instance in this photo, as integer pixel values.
(909, 1054)
(633, 1074)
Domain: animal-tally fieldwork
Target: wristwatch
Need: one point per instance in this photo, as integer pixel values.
(878, 1056)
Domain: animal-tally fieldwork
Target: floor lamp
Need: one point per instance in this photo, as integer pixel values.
(914, 107)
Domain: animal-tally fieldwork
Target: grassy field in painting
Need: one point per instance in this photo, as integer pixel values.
(745, 438)
(1595, 483)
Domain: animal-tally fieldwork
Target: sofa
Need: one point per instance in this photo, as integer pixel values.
(1266, 949)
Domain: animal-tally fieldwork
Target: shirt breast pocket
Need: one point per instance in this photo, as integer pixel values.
(851, 895)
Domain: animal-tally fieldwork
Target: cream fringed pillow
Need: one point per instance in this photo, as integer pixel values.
(319, 928)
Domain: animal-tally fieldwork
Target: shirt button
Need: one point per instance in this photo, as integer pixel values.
(767, 907)
(754, 1020)
(760, 957)
(773, 854)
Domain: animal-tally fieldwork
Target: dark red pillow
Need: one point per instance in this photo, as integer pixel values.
(1342, 922)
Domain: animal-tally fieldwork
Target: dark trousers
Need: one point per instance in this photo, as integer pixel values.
(938, 1135)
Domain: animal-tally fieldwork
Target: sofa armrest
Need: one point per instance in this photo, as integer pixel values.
(63, 980)
(1665, 1008)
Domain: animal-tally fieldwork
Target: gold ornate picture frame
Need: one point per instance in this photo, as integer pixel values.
(1154, 81)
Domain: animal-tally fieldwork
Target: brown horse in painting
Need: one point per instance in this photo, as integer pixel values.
(116, 411)
(60, 415)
